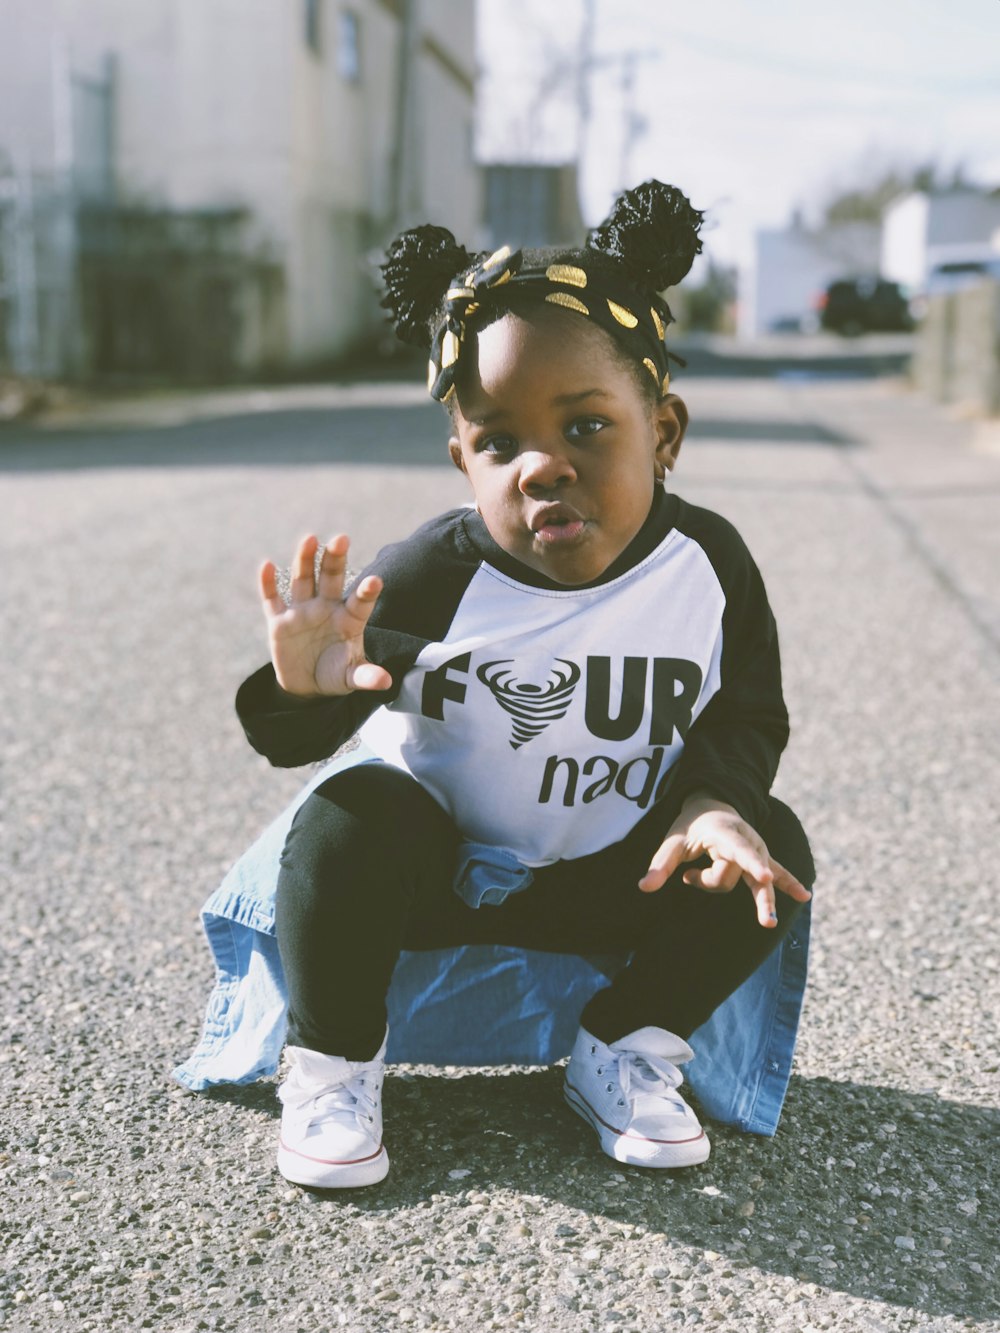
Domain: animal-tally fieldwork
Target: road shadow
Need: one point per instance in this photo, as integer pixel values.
(415, 436)
(757, 431)
(412, 436)
(895, 1192)
(796, 363)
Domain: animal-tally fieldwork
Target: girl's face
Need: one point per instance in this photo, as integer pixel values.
(560, 446)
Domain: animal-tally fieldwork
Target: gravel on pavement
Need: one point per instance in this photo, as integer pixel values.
(130, 617)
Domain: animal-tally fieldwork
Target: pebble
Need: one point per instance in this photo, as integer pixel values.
(104, 850)
(905, 1243)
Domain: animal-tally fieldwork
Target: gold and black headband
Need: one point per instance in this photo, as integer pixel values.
(638, 322)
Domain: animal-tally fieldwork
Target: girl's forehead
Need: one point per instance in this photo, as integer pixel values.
(544, 346)
(525, 362)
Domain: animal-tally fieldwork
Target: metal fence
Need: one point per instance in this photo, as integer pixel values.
(38, 323)
(93, 289)
(40, 332)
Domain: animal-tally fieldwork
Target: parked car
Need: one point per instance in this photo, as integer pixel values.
(851, 306)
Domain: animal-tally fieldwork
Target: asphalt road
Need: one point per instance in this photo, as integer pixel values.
(130, 617)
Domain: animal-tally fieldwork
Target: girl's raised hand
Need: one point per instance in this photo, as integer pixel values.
(317, 641)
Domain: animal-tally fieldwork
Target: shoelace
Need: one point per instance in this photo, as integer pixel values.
(353, 1094)
(648, 1073)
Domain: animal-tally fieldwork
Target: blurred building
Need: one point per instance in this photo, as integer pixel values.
(922, 230)
(532, 205)
(199, 189)
(792, 265)
(917, 232)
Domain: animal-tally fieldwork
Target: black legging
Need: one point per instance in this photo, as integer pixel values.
(367, 870)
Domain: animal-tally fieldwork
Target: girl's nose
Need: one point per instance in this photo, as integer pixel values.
(543, 468)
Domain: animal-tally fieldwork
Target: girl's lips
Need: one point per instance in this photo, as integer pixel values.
(560, 531)
(557, 523)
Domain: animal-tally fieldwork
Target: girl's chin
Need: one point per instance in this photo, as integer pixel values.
(571, 561)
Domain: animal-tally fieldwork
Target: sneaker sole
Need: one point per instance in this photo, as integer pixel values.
(317, 1174)
(625, 1148)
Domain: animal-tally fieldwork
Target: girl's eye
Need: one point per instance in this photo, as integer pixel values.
(584, 426)
(498, 445)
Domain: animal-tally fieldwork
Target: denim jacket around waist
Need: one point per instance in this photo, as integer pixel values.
(481, 1004)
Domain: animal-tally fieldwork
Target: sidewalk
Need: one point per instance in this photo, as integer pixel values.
(130, 558)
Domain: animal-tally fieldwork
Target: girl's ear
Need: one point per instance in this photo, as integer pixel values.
(455, 450)
(670, 420)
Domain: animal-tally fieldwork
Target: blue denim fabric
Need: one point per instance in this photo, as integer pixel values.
(481, 1004)
(489, 875)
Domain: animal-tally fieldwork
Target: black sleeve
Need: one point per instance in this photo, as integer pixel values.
(291, 731)
(733, 748)
(424, 579)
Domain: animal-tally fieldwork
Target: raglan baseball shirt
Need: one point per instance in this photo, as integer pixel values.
(546, 719)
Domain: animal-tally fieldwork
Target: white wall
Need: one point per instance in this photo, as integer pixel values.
(792, 266)
(921, 230)
(222, 103)
(904, 240)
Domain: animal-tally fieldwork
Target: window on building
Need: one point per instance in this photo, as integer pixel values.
(349, 46)
(312, 24)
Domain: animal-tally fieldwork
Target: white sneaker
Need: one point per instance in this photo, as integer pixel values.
(331, 1121)
(628, 1092)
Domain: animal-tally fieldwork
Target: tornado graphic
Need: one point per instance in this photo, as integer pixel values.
(531, 706)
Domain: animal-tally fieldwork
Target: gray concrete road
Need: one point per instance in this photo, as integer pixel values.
(130, 616)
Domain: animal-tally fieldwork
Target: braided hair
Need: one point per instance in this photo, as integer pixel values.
(646, 244)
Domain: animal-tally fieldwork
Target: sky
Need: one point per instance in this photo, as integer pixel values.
(753, 107)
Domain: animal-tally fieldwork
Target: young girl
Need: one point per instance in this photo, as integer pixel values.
(569, 697)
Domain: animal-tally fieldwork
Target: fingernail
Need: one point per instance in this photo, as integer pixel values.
(773, 916)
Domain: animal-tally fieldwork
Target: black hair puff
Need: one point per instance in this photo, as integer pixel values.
(652, 232)
(419, 267)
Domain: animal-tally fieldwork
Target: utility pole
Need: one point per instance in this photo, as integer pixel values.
(583, 76)
(404, 175)
(64, 229)
(633, 124)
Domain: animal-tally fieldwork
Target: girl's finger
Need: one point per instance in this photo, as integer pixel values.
(754, 865)
(362, 598)
(360, 604)
(696, 880)
(666, 859)
(267, 581)
(332, 568)
(719, 877)
(368, 676)
(764, 898)
(787, 883)
(303, 583)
